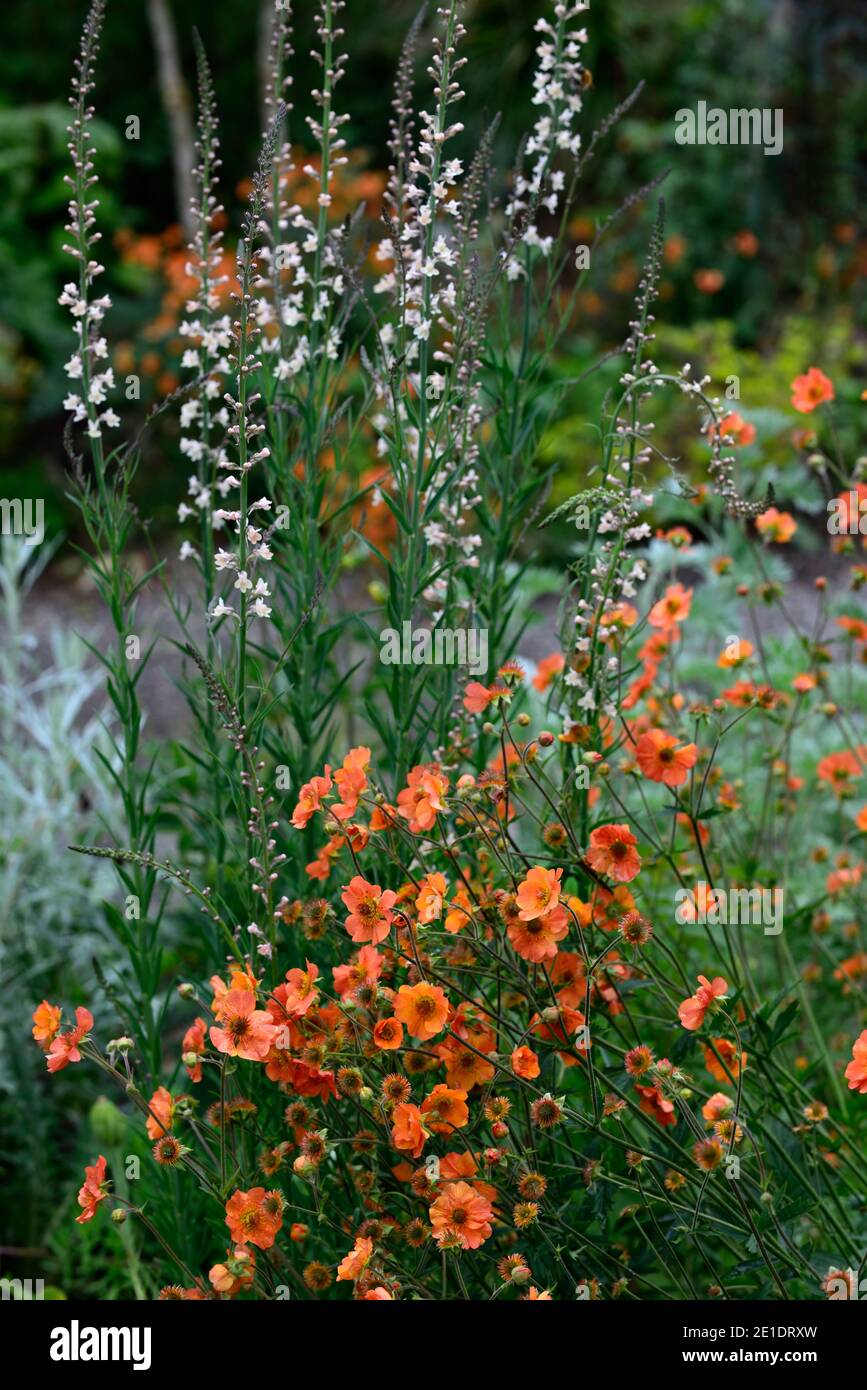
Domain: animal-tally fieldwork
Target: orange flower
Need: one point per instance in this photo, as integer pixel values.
(536, 940)
(728, 1053)
(861, 819)
(408, 1132)
(423, 1008)
(525, 1063)
(538, 893)
(351, 780)
(839, 770)
(462, 1216)
(370, 914)
(246, 1031)
(254, 1217)
(692, 1011)
(464, 1067)
(709, 281)
(547, 669)
(445, 1110)
(856, 1072)
(672, 608)
(810, 390)
(162, 1117)
(310, 799)
(775, 525)
(378, 1295)
(194, 1042)
(422, 799)
(353, 1265)
(660, 759)
(94, 1191)
(653, 1103)
(742, 651)
(388, 1033)
(64, 1049)
(46, 1024)
(612, 851)
(735, 428)
(236, 1274)
(477, 697)
(429, 903)
(301, 994)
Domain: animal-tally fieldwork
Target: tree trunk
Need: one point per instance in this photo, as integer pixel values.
(176, 101)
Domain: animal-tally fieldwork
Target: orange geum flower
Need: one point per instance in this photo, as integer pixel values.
(525, 1063)
(46, 1024)
(547, 669)
(429, 903)
(461, 1216)
(302, 993)
(94, 1190)
(735, 653)
(422, 798)
(775, 525)
(811, 390)
(310, 799)
(353, 1265)
(237, 1273)
(734, 428)
(254, 1217)
(351, 781)
(538, 893)
(423, 1008)
(388, 1033)
(370, 914)
(728, 1053)
(861, 819)
(672, 608)
(839, 770)
(856, 1071)
(445, 1110)
(193, 1046)
(536, 940)
(379, 1294)
(408, 1131)
(661, 760)
(162, 1116)
(477, 697)
(612, 852)
(692, 1011)
(719, 1107)
(245, 1031)
(64, 1049)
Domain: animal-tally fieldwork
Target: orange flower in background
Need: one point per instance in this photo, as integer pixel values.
(547, 669)
(811, 390)
(195, 1042)
(445, 1110)
(353, 1265)
(525, 1063)
(422, 1008)
(708, 281)
(310, 798)
(856, 1071)
(841, 769)
(301, 992)
(370, 914)
(254, 1217)
(861, 819)
(94, 1191)
(422, 799)
(661, 760)
(538, 893)
(692, 1011)
(408, 1132)
(388, 1033)
(776, 526)
(429, 903)
(734, 429)
(735, 654)
(654, 1103)
(64, 1049)
(462, 1216)
(46, 1024)
(671, 609)
(244, 1030)
(728, 1053)
(612, 852)
(378, 1295)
